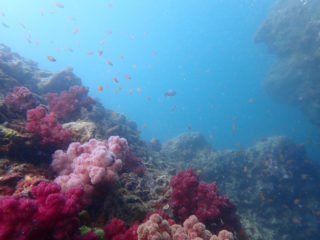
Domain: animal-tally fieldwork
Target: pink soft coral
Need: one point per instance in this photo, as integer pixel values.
(87, 164)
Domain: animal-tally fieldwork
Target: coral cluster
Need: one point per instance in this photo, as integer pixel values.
(20, 100)
(158, 228)
(189, 196)
(68, 104)
(89, 164)
(49, 213)
(46, 127)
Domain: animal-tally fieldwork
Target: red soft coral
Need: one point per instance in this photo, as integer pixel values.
(51, 215)
(67, 104)
(47, 128)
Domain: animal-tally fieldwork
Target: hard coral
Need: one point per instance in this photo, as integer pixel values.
(51, 214)
(189, 196)
(68, 104)
(88, 164)
(46, 127)
(20, 100)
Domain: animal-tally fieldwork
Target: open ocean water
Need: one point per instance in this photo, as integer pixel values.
(131, 53)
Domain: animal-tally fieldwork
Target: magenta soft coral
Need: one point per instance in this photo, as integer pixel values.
(20, 100)
(189, 196)
(51, 214)
(47, 128)
(67, 104)
(116, 230)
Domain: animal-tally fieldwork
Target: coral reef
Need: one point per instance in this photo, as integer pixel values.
(291, 31)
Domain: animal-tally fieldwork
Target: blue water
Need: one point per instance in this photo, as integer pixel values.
(203, 50)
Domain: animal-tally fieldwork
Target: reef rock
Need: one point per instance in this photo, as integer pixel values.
(291, 31)
(186, 147)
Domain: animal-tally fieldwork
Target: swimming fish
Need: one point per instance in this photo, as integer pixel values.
(115, 79)
(108, 32)
(5, 25)
(170, 93)
(100, 52)
(89, 53)
(75, 30)
(109, 62)
(127, 76)
(57, 4)
(100, 88)
(51, 59)
(148, 98)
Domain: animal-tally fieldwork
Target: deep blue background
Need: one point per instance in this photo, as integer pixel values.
(203, 50)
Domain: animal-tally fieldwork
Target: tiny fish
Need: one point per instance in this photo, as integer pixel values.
(138, 89)
(100, 52)
(5, 25)
(115, 79)
(68, 77)
(108, 32)
(71, 18)
(114, 114)
(102, 42)
(89, 53)
(100, 88)
(251, 100)
(121, 57)
(148, 98)
(173, 108)
(130, 90)
(57, 4)
(51, 59)
(170, 93)
(134, 66)
(189, 127)
(75, 30)
(127, 76)
(69, 69)
(22, 25)
(2, 13)
(109, 62)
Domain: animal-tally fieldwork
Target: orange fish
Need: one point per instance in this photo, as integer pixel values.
(89, 53)
(115, 91)
(108, 32)
(127, 76)
(51, 59)
(173, 108)
(114, 114)
(109, 62)
(22, 25)
(134, 66)
(189, 127)
(170, 93)
(115, 79)
(100, 88)
(75, 30)
(69, 69)
(251, 100)
(130, 90)
(68, 77)
(100, 52)
(148, 98)
(120, 88)
(234, 127)
(57, 4)
(102, 42)
(121, 57)
(144, 126)
(102, 75)
(138, 89)
(138, 131)
(69, 49)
